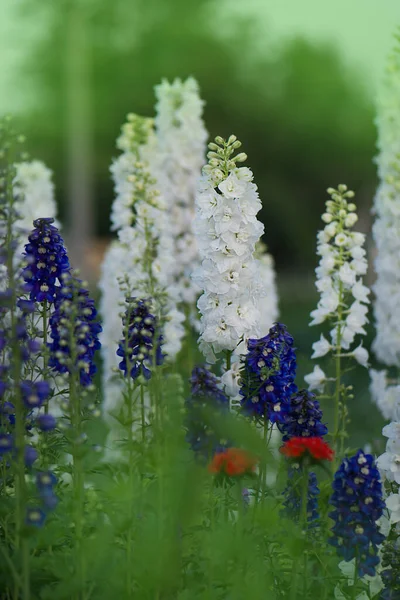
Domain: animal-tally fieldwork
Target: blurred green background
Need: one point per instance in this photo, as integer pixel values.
(295, 81)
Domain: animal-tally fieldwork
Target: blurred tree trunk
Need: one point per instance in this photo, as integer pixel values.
(79, 136)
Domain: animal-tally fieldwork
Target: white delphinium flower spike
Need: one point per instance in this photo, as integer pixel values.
(33, 190)
(142, 256)
(389, 467)
(182, 137)
(343, 297)
(267, 302)
(386, 234)
(227, 230)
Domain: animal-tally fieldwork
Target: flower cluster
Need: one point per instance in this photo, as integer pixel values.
(205, 400)
(33, 190)
(304, 417)
(267, 295)
(391, 571)
(141, 346)
(358, 504)
(386, 227)
(267, 376)
(292, 496)
(389, 466)
(74, 330)
(181, 139)
(227, 230)
(45, 482)
(307, 447)
(343, 297)
(233, 462)
(385, 393)
(47, 261)
(142, 258)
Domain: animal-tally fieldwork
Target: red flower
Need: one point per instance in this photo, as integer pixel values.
(232, 461)
(315, 446)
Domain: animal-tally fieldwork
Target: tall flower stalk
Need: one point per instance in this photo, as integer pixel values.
(343, 301)
(33, 190)
(227, 230)
(181, 136)
(22, 389)
(74, 332)
(385, 387)
(140, 262)
(358, 504)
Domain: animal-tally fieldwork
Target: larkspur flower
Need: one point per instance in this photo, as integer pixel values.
(45, 482)
(33, 191)
(141, 261)
(267, 376)
(343, 297)
(35, 517)
(385, 393)
(6, 443)
(30, 455)
(141, 346)
(205, 400)
(293, 496)
(47, 261)
(386, 227)
(304, 417)
(181, 139)
(391, 571)
(358, 504)
(74, 331)
(35, 394)
(233, 462)
(46, 422)
(227, 230)
(266, 296)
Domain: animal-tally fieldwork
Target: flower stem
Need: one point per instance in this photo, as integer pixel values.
(354, 587)
(338, 376)
(142, 413)
(228, 359)
(44, 317)
(303, 524)
(130, 484)
(78, 483)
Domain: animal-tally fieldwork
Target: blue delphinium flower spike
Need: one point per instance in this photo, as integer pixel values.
(141, 344)
(206, 398)
(303, 418)
(35, 517)
(358, 504)
(293, 493)
(74, 330)
(47, 261)
(268, 375)
(391, 571)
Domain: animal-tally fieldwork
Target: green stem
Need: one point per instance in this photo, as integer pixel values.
(78, 483)
(228, 359)
(142, 413)
(354, 588)
(304, 526)
(44, 315)
(130, 483)
(338, 368)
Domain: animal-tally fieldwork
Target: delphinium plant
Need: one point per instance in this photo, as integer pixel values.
(181, 137)
(143, 258)
(26, 497)
(343, 305)
(227, 230)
